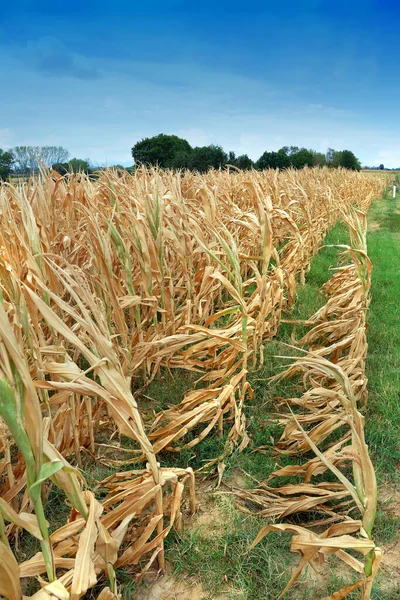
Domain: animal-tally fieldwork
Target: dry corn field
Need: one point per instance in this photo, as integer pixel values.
(107, 281)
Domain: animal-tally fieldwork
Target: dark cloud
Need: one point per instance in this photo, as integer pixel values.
(52, 58)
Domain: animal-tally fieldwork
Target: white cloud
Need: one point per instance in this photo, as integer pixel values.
(390, 157)
(195, 137)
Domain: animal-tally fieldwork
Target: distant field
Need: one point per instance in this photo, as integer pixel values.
(387, 172)
(19, 179)
(22, 178)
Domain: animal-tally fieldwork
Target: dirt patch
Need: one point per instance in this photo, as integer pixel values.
(212, 516)
(317, 580)
(215, 506)
(209, 520)
(237, 480)
(391, 561)
(373, 226)
(389, 500)
(170, 588)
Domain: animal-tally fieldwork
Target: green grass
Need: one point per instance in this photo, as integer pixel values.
(387, 527)
(223, 560)
(383, 360)
(220, 555)
(168, 388)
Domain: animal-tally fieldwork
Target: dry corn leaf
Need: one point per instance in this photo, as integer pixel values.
(84, 572)
(10, 587)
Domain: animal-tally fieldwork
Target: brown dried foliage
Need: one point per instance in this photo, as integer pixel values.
(108, 280)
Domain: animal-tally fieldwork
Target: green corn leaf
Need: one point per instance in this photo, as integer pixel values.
(46, 471)
(8, 410)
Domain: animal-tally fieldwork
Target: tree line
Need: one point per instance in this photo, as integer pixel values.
(173, 152)
(24, 160)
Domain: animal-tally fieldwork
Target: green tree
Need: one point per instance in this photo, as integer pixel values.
(241, 162)
(244, 162)
(75, 165)
(160, 150)
(204, 158)
(61, 168)
(330, 156)
(350, 161)
(6, 162)
(290, 150)
(347, 160)
(319, 159)
(337, 159)
(301, 158)
(180, 160)
(274, 160)
(382, 167)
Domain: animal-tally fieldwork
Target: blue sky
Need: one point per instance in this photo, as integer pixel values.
(97, 76)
